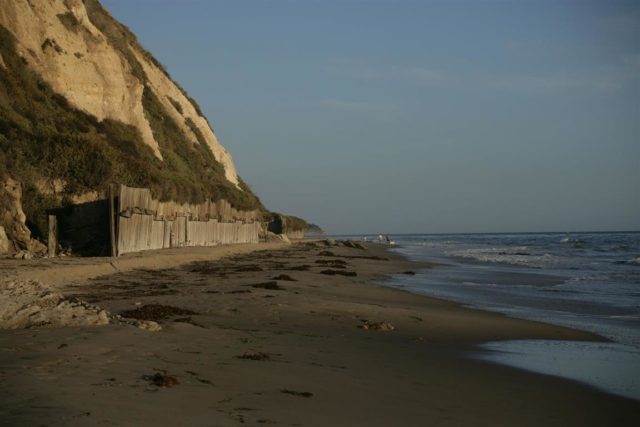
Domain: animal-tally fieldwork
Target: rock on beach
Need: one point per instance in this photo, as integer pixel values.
(30, 303)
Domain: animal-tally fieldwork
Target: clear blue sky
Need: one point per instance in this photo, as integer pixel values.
(417, 116)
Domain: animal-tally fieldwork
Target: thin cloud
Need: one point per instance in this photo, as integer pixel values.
(606, 79)
(411, 74)
(359, 106)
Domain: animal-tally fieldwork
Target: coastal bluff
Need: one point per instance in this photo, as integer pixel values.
(97, 65)
(84, 106)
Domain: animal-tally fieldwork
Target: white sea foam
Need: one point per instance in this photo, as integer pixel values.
(571, 240)
(518, 255)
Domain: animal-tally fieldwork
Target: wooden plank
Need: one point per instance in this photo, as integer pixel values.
(186, 231)
(53, 235)
(156, 240)
(112, 221)
(179, 227)
(167, 234)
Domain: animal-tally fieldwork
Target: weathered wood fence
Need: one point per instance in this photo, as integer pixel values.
(144, 223)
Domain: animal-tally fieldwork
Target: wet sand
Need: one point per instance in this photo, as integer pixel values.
(265, 338)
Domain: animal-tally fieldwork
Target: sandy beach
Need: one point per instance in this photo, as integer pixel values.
(273, 334)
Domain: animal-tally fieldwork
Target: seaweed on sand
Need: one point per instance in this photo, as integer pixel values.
(297, 393)
(272, 285)
(156, 312)
(254, 355)
(161, 380)
(285, 277)
(339, 272)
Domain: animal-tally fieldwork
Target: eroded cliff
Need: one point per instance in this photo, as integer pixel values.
(82, 105)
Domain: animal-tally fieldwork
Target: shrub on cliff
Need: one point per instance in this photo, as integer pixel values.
(46, 144)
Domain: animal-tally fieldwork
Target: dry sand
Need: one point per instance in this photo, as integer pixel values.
(241, 343)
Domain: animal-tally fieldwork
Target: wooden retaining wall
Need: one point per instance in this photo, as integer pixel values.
(144, 223)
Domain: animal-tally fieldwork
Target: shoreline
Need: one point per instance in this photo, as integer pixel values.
(319, 365)
(609, 365)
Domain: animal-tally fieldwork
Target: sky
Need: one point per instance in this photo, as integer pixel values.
(397, 116)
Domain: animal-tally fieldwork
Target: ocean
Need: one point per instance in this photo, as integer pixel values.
(588, 281)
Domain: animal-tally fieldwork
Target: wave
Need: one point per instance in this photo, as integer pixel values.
(518, 255)
(576, 243)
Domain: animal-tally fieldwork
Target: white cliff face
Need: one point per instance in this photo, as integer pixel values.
(78, 62)
(166, 91)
